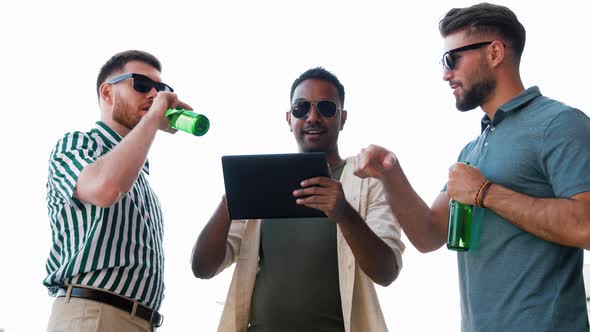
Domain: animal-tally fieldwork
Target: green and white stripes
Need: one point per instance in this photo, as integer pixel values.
(119, 248)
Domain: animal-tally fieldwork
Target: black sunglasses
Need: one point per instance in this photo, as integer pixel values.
(142, 83)
(448, 59)
(301, 108)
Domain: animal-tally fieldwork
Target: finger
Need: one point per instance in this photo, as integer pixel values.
(310, 191)
(364, 157)
(317, 181)
(170, 130)
(372, 160)
(169, 96)
(310, 205)
(357, 161)
(316, 202)
(173, 103)
(184, 105)
(361, 160)
(388, 162)
(164, 100)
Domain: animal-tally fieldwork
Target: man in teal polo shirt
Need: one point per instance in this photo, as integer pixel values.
(528, 179)
(106, 264)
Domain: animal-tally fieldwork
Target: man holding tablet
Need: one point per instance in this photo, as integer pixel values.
(308, 274)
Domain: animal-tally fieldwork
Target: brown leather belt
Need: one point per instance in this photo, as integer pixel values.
(151, 316)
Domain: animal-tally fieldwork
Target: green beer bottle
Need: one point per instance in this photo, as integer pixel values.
(188, 121)
(460, 221)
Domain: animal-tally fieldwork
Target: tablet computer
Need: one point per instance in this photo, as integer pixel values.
(261, 186)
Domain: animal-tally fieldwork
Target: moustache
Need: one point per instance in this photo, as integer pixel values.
(313, 127)
(455, 83)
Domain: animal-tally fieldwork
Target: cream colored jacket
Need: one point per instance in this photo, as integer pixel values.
(360, 305)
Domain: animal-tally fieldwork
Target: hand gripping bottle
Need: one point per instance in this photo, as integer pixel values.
(460, 222)
(188, 121)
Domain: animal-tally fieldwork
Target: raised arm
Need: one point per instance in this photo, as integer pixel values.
(106, 180)
(425, 227)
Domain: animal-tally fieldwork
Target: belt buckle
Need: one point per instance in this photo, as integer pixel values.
(156, 319)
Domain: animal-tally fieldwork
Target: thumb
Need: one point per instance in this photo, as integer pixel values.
(388, 162)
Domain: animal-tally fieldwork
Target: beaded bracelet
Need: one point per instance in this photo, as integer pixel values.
(481, 193)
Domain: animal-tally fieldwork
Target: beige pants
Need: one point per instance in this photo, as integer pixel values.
(81, 315)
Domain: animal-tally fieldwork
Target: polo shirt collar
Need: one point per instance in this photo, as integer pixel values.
(112, 138)
(512, 105)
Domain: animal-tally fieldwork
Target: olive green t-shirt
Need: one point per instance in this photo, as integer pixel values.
(297, 287)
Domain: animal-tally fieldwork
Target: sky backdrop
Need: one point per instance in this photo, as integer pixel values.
(234, 61)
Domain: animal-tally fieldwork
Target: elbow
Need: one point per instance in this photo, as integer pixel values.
(385, 281)
(425, 247)
(200, 273)
(103, 195)
(107, 196)
(200, 270)
(390, 275)
(426, 243)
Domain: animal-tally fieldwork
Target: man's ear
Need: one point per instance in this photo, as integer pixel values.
(106, 93)
(288, 118)
(343, 115)
(497, 54)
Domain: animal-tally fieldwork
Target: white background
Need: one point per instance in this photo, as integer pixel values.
(234, 61)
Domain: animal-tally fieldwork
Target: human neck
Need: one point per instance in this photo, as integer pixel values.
(107, 119)
(334, 159)
(506, 89)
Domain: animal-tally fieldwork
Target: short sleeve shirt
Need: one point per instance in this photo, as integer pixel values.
(117, 248)
(513, 280)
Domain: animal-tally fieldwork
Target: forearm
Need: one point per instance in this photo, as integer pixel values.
(373, 255)
(424, 227)
(209, 250)
(560, 220)
(111, 176)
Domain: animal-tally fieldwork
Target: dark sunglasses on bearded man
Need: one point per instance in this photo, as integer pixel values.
(142, 83)
(448, 59)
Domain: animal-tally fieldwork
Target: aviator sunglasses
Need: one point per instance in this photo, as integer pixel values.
(142, 83)
(448, 59)
(327, 108)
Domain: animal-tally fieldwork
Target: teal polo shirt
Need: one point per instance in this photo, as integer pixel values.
(513, 280)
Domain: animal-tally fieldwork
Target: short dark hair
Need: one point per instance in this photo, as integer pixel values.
(119, 60)
(486, 18)
(319, 73)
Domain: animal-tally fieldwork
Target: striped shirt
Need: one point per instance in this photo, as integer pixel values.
(119, 248)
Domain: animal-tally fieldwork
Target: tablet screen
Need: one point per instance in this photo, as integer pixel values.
(261, 186)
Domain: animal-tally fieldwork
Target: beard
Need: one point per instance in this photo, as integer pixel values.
(123, 114)
(478, 93)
